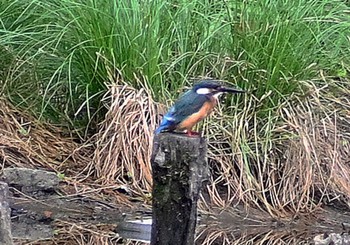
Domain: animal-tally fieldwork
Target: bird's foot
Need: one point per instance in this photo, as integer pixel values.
(192, 133)
(187, 132)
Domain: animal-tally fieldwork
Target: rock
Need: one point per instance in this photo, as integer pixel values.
(32, 231)
(5, 221)
(30, 179)
(332, 239)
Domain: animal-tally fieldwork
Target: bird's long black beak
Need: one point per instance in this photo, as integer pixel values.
(231, 90)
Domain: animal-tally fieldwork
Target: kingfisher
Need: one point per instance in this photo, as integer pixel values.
(193, 106)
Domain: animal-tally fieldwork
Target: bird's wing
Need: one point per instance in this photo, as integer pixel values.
(188, 104)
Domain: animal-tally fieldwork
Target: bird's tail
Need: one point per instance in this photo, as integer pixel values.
(165, 125)
(162, 127)
(158, 130)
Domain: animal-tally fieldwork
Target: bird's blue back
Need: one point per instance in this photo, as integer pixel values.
(188, 104)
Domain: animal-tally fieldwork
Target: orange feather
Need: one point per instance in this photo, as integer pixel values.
(192, 120)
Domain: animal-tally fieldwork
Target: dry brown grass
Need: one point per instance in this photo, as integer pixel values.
(288, 163)
(123, 144)
(26, 142)
(238, 226)
(78, 233)
(219, 236)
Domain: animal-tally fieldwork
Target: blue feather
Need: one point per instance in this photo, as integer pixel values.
(189, 103)
(168, 121)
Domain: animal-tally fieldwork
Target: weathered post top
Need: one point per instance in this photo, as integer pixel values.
(179, 167)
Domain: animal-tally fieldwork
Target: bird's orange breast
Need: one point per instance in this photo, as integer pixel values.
(193, 119)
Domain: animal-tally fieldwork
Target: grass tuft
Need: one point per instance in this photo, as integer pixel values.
(123, 142)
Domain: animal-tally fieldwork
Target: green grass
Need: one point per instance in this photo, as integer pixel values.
(57, 56)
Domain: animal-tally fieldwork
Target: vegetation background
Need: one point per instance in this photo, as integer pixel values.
(95, 75)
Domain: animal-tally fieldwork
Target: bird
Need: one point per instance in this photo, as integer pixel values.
(193, 106)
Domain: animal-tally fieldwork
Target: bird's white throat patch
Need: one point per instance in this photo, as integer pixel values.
(203, 91)
(217, 95)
